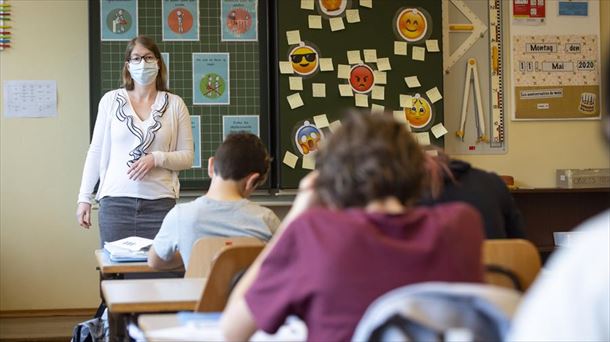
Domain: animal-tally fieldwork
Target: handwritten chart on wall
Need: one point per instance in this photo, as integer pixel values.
(372, 55)
(191, 34)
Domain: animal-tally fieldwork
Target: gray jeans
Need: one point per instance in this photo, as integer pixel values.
(121, 217)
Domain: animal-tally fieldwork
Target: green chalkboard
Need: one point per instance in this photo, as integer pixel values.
(248, 76)
(376, 30)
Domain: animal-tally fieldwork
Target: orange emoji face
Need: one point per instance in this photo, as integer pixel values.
(419, 114)
(332, 7)
(304, 60)
(411, 24)
(361, 78)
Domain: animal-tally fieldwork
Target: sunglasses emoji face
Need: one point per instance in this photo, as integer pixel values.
(304, 60)
(411, 24)
(419, 114)
(361, 78)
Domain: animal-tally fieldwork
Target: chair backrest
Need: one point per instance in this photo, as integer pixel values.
(438, 311)
(517, 256)
(231, 262)
(206, 249)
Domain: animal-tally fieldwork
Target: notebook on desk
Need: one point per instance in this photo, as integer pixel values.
(130, 249)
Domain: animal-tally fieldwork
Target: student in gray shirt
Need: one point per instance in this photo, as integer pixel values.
(240, 164)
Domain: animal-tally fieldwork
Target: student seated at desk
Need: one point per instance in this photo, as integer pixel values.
(451, 180)
(240, 164)
(352, 235)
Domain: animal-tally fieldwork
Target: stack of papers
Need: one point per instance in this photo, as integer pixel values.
(132, 249)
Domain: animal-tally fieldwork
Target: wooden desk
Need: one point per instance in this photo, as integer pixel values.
(108, 267)
(124, 297)
(557, 210)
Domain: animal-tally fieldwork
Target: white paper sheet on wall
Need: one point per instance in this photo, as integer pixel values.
(30, 99)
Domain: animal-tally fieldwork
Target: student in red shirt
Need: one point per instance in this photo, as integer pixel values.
(352, 235)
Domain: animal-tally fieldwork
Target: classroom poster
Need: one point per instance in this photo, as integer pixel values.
(165, 57)
(556, 76)
(529, 12)
(196, 127)
(239, 20)
(211, 78)
(240, 123)
(180, 20)
(118, 20)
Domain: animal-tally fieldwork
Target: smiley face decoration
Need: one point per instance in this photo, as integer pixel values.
(419, 114)
(304, 60)
(411, 24)
(332, 7)
(361, 78)
(307, 138)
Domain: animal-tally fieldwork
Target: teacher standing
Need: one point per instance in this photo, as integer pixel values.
(142, 138)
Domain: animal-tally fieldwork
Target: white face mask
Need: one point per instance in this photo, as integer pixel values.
(144, 73)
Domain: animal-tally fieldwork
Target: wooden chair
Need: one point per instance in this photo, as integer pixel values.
(511, 258)
(228, 266)
(206, 249)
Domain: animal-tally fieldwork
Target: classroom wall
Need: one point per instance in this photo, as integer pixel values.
(46, 260)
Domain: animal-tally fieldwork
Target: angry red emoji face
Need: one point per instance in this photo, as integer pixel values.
(361, 78)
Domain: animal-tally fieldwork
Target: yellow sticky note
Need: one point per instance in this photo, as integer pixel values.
(366, 3)
(378, 93)
(290, 159)
(383, 64)
(423, 138)
(412, 82)
(362, 100)
(293, 37)
(439, 130)
(377, 109)
(309, 162)
(326, 64)
(380, 77)
(353, 57)
(434, 95)
(315, 21)
(307, 4)
(405, 100)
(321, 121)
(286, 68)
(432, 45)
(400, 48)
(418, 53)
(399, 115)
(318, 89)
(343, 71)
(296, 83)
(352, 16)
(334, 126)
(432, 153)
(370, 55)
(336, 24)
(345, 90)
(295, 100)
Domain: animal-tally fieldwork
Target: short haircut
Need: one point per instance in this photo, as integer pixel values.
(240, 155)
(371, 157)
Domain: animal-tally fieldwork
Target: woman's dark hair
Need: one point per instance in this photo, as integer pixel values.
(161, 81)
(371, 157)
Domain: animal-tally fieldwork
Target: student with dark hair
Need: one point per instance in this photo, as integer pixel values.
(451, 180)
(142, 139)
(240, 164)
(352, 235)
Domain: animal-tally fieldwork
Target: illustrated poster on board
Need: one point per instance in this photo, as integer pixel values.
(165, 57)
(211, 78)
(239, 20)
(556, 76)
(239, 124)
(118, 20)
(196, 127)
(180, 20)
(529, 12)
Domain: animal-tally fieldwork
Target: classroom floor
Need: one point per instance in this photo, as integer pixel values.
(57, 328)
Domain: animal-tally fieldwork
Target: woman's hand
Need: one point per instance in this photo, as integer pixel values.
(83, 214)
(141, 167)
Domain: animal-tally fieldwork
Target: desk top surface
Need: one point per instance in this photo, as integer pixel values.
(107, 266)
(152, 295)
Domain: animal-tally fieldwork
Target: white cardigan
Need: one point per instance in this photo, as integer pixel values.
(114, 107)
